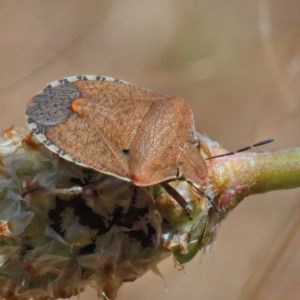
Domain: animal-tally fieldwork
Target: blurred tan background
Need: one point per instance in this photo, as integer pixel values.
(236, 62)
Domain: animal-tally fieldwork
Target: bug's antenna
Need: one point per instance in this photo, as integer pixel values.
(264, 142)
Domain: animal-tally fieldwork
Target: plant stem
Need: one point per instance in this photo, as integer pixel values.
(237, 176)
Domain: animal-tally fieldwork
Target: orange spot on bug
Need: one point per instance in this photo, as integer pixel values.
(77, 104)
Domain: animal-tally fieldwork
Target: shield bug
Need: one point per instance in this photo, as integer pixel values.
(119, 129)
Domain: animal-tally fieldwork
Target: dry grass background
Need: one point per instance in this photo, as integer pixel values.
(236, 62)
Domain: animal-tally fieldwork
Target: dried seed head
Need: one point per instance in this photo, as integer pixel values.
(52, 246)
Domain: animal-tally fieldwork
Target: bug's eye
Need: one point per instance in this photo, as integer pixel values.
(125, 151)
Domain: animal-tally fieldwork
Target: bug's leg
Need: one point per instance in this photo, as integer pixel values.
(178, 198)
(77, 187)
(74, 190)
(200, 145)
(204, 147)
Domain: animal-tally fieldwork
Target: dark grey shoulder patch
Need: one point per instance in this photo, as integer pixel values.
(53, 104)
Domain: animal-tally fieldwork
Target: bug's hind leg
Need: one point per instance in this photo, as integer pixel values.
(71, 191)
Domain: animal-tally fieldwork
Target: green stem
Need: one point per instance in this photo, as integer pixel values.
(235, 177)
(277, 170)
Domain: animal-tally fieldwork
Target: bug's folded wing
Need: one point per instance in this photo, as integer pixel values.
(156, 149)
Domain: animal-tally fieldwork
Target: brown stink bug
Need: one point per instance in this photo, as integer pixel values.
(119, 129)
